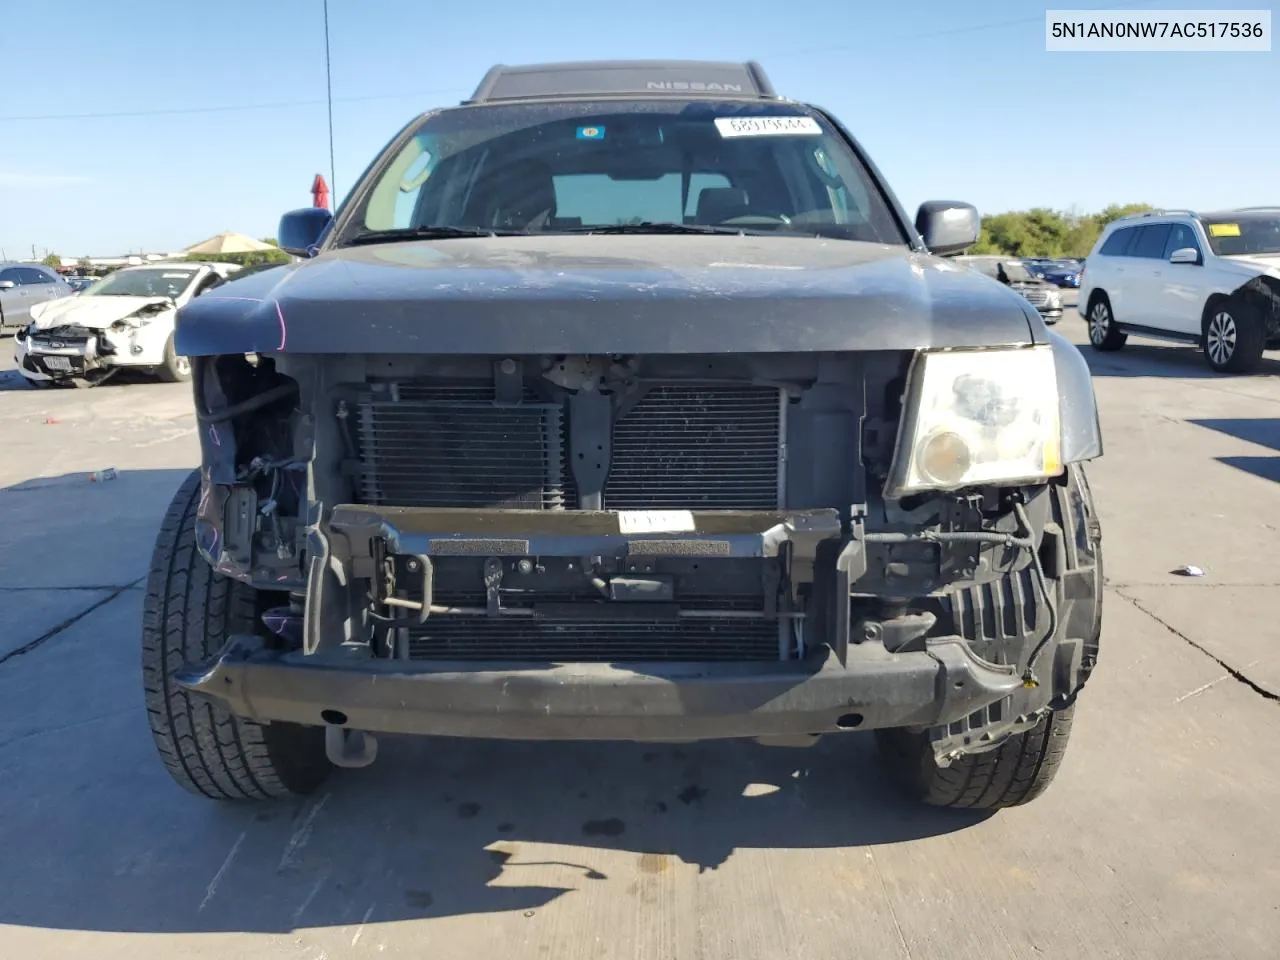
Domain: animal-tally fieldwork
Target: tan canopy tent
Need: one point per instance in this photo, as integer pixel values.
(228, 242)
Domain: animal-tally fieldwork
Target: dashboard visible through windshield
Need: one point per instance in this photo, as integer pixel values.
(586, 166)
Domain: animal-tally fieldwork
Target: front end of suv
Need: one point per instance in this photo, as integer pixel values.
(584, 482)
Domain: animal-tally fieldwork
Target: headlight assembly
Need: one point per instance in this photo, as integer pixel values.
(973, 417)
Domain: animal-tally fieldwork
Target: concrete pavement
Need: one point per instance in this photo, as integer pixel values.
(1157, 840)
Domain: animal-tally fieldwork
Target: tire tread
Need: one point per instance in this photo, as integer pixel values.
(188, 612)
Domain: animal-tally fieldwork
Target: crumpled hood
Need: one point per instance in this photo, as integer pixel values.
(94, 313)
(1270, 263)
(608, 294)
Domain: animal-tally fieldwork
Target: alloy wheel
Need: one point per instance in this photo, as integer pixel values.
(1099, 322)
(1220, 338)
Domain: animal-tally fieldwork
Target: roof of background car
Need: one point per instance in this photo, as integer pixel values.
(1242, 213)
(6, 264)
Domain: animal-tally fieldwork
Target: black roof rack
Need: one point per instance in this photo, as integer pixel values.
(624, 77)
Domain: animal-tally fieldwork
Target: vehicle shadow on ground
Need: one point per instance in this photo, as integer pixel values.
(1263, 431)
(441, 828)
(1139, 359)
(96, 836)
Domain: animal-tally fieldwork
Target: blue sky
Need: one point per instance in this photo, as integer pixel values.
(952, 100)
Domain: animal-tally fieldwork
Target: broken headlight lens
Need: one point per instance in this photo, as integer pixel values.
(974, 417)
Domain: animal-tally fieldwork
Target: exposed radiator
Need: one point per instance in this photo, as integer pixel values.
(447, 444)
(423, 445)
(698, 447)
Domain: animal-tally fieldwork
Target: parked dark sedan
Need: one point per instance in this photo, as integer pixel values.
(1061, 274)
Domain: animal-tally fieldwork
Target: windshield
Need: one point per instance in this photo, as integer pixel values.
(160, 282)
(566, 167)
(1244, 234)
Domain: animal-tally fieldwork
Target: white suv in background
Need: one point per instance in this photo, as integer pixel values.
(1210, 279)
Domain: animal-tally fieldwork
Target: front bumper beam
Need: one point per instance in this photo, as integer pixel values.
(641, 701)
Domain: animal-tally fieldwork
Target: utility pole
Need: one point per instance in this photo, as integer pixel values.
(328, 80)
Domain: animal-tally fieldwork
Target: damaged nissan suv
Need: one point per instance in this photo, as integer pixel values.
(624, 402)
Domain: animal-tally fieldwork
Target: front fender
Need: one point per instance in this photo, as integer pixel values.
(1077, 405)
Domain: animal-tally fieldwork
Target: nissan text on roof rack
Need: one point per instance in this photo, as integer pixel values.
(624, 402)
(1208, 279)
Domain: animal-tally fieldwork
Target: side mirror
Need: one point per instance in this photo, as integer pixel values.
(1185, 255)
(7, 284)
(947, 226)
(300, 230)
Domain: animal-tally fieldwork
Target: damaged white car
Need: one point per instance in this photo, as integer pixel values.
(125, 320)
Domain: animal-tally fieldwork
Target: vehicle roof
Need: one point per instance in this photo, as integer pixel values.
(6, 264)
(624, 78)
(1165, 216)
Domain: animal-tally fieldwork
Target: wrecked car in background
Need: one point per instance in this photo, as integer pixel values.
(123, 320)
(1211, 280)
(624, 402)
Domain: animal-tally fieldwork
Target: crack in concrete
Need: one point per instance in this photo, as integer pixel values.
(1231, 671)
(1193, 583)
(55, 630)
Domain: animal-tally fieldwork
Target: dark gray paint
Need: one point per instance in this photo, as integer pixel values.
(604, 295)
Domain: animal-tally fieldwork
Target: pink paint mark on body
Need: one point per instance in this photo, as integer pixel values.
(283, 332)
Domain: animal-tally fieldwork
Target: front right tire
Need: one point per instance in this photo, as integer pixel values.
(188, 614)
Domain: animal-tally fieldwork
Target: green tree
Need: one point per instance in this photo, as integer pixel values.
(247, 259)
(52, 260)
(1041, 232)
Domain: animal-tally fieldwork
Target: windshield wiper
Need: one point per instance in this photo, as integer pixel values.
(648, 227)
(428, 233)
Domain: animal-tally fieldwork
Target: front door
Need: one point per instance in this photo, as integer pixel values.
(15, 311)
(1181, 291)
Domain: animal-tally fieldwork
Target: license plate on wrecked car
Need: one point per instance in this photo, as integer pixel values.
(57, 363)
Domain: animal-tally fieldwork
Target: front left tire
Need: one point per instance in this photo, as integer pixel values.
(1233, 336)
(1022, 767)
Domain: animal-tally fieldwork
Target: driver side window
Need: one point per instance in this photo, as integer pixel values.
(1180, 236)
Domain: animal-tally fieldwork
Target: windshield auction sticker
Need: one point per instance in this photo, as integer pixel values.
(767, 126)
(1148, 31)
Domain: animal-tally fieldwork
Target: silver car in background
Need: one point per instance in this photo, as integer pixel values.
(1013, 273)
(22, 286)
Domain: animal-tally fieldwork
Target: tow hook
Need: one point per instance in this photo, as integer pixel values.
(349, 748)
